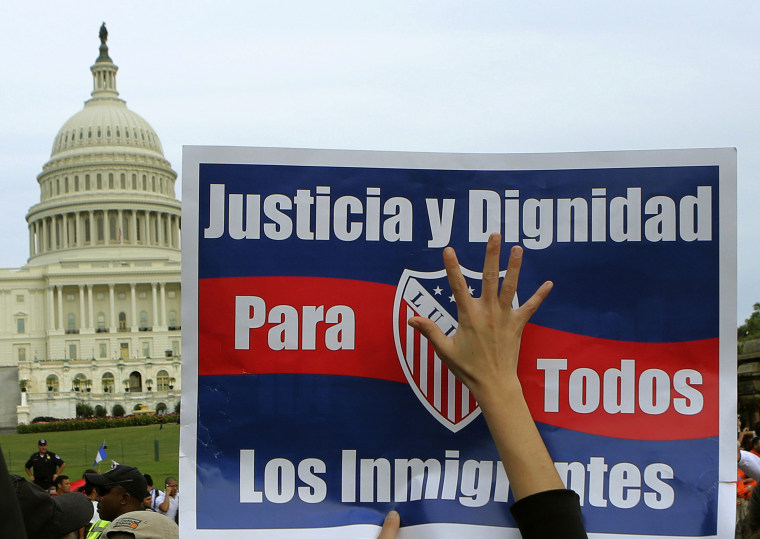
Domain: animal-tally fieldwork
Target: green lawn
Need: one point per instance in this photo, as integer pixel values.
(134, 446)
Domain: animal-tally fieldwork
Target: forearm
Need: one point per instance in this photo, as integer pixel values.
(29, 473)
(60, 469)
(523, 453)
(164, 507)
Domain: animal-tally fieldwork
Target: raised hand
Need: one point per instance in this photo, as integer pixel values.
(483, 354)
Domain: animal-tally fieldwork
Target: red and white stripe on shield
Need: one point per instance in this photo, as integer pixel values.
(445, 397)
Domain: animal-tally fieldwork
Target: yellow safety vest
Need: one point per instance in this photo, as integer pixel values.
(97, 528)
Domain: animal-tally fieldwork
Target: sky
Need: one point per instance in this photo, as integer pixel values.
(441, 76)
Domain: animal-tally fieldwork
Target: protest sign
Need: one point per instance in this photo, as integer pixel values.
(310, 408)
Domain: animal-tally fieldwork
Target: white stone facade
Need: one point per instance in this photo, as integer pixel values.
(94, 317)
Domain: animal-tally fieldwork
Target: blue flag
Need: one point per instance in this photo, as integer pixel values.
(101, 453)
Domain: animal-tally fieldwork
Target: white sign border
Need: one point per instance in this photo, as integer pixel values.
(193, 156)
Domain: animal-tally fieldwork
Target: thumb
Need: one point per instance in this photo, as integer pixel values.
(431, 332)
(390, 526)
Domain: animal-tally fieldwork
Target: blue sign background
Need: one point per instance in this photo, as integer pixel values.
(631, 291)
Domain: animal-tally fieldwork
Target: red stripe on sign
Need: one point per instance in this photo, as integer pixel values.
(648, 391)
(301, 325)
(644, 391)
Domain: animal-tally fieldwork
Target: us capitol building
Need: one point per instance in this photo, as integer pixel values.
(94, 315)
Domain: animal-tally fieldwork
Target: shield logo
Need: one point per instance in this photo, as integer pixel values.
(428, 294)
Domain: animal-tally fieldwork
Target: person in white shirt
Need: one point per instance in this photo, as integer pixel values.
(167, 502)
(749, 463)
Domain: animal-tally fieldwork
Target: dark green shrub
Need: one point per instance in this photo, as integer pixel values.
(44, 419)
(84, 410)
(98, 423)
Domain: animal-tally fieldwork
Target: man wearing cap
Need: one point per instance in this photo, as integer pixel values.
(44, 466)
(122, 491)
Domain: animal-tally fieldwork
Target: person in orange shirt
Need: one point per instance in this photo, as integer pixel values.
(744, 487)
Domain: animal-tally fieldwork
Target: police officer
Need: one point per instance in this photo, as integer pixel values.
(43, 466)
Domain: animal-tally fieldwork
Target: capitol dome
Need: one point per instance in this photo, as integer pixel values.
(106, 122)
(95, 316)
(107, 191)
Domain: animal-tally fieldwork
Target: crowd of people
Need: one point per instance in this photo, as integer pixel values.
(118, 504)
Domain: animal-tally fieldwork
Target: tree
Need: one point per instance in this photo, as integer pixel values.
(117, 410)
(84, 410)
(100, 411)
(751, 327)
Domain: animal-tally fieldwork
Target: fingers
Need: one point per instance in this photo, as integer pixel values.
(531, 306)
(491, 267)
(390, 526)
(456, 279)
(509, 286)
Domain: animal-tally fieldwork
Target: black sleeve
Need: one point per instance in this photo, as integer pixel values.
(552, 513)
(10, 511)
(29, 464)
